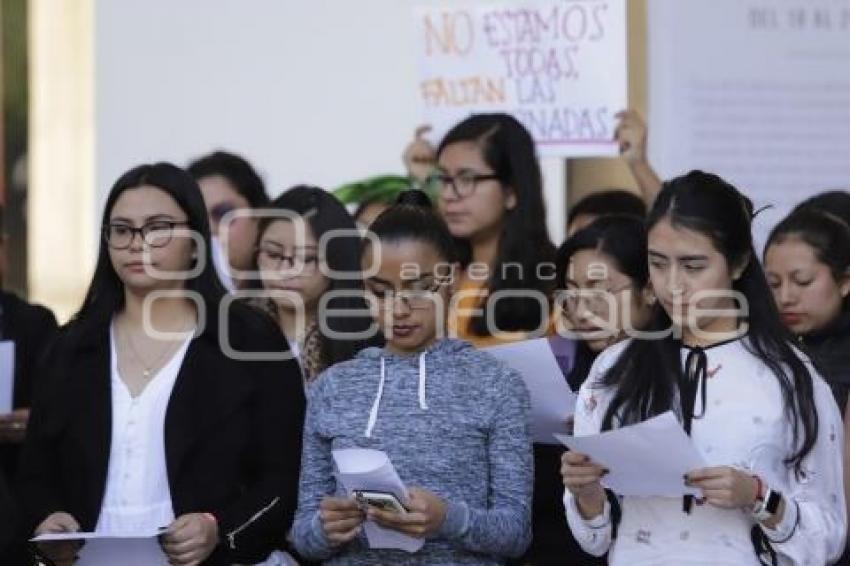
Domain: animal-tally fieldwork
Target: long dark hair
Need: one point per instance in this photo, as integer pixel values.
(647, 374)
(105, 295)
(508, 149)
(324, 213)
(826, 233)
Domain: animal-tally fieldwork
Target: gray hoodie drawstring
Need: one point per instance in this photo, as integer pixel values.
(376, 404)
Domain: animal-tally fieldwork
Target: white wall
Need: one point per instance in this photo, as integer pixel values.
(319, 91)
(309, 91)
(757, 92)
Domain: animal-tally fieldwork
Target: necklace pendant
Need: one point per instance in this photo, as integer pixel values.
(146, 373)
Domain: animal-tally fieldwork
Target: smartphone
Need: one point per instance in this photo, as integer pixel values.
(382, 500)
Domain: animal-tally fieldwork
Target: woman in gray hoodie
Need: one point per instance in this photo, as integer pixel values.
(453, 420)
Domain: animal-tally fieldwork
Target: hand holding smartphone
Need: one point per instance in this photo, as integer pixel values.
(384, 501)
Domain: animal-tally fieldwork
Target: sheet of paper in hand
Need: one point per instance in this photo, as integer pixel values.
(111, 550)
(363, 469)
(646, 459)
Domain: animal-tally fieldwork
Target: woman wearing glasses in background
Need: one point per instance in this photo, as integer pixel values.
(143, 421)
(605, 293)
(313, 310)
(491, 197)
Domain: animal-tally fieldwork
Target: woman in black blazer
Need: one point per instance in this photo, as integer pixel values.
(227, 439)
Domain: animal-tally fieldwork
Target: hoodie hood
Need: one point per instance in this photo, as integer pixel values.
(445, 347)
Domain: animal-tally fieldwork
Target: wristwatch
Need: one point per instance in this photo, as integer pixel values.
(767, 505)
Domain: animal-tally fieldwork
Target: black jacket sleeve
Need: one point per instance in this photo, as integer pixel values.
(34, 330)
(260, 520)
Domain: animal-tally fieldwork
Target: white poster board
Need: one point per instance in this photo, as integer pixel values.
(558, 66)
(757, 92)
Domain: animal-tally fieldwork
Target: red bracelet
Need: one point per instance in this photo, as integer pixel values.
(759, 487)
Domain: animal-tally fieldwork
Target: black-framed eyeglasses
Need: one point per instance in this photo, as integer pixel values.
(462, 184)
(274, 259)
(157, 234)
(420, 296)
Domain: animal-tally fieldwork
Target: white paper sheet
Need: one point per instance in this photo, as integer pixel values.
(646, 459)
(7, 376)
(366, 469)
(552, 401)
(111, 550)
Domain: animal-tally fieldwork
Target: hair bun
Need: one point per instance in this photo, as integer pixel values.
(414, 197)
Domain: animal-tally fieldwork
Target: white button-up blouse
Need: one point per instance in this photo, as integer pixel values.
(137, 499)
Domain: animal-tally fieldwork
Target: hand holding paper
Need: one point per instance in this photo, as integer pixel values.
(58, 537)
(581, 476)
(361, 469)
(724, 486)
(191, 538)
(647, 459)
(342, 519)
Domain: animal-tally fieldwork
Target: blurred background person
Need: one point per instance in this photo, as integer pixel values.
(229, 183)
(25, 331)
(604, 203)
(490, 193)
(603, 283)
(295, 267)
(807, 263)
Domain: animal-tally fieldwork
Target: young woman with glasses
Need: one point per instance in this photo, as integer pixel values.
(307, 257)
(491, 197)
(148, 417)
(452, 419)
(603, 294)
